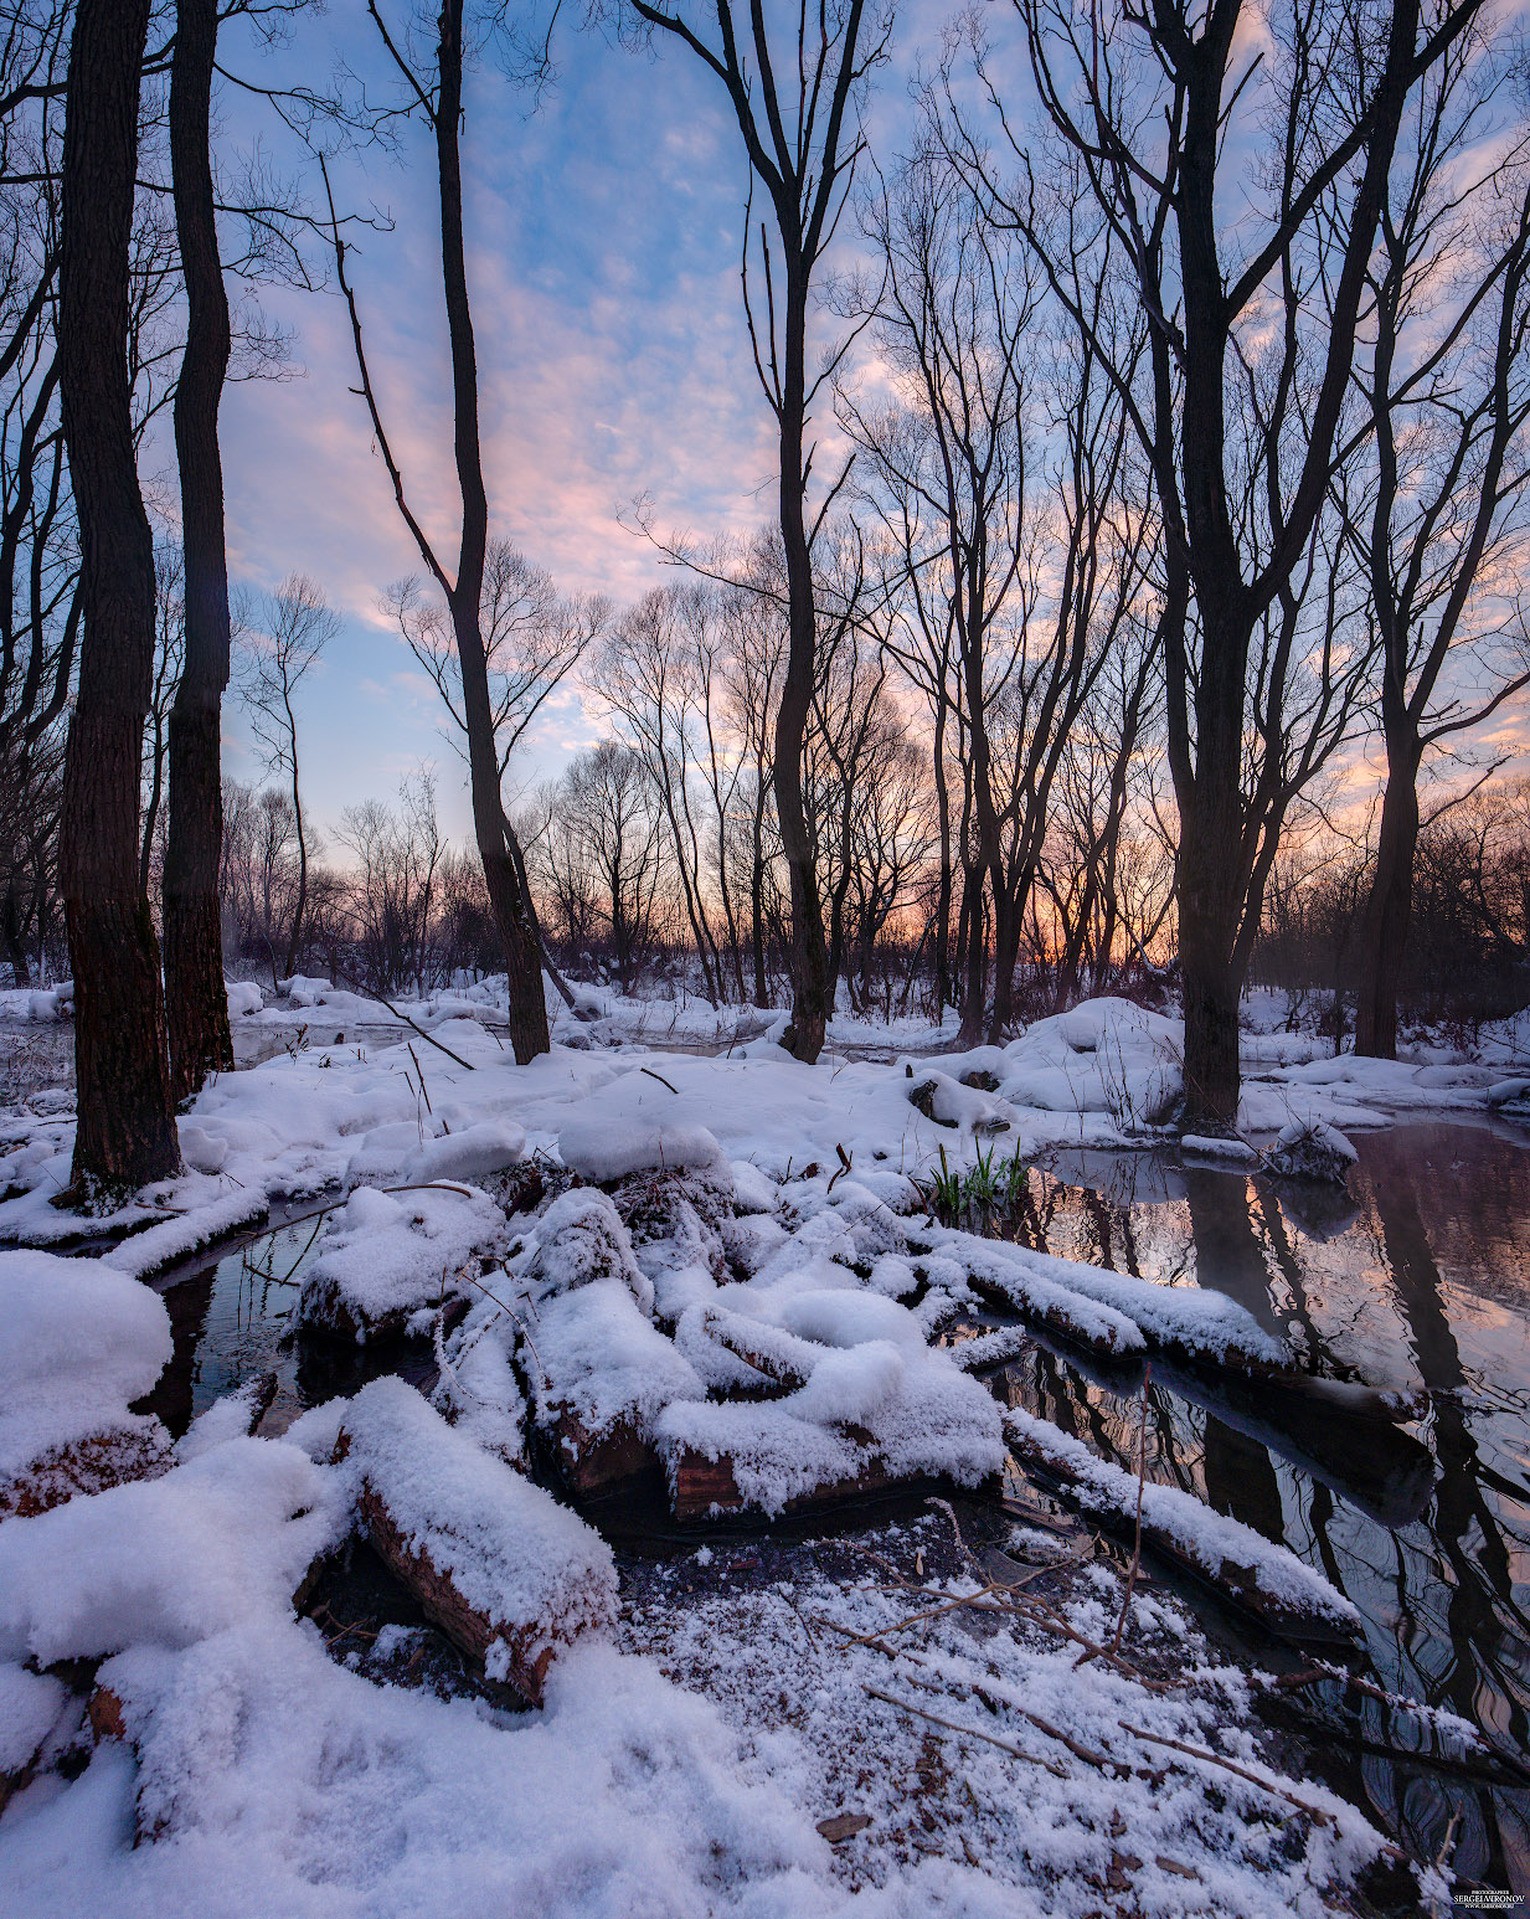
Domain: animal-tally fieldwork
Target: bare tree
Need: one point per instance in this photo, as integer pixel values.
(125, 1135)
(274, 663)
(1445, 531)
(437, 97)
(598, 846)
(399, 854)
(197, 1006)
(1252, 332)
(796, 114)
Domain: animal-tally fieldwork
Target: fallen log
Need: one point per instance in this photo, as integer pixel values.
(779, 1356)
(703, 1488)
(508, 1574)
(137, 1448)
(1266, 1580)
(593, 1459)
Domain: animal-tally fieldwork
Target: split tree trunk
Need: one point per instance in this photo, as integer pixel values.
(196, 1001)
(125, 1135)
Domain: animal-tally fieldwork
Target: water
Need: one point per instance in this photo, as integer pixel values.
(1422, 1278)
(232, 1322)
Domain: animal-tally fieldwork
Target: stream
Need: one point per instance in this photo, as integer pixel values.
(1420, 1277)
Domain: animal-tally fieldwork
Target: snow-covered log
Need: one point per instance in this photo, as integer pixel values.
(506, 1572)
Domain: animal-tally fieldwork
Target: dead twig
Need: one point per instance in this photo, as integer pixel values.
(1317, 1814)
(968, 1732)
(660, 1078)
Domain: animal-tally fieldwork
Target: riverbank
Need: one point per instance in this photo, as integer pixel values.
(758, 1651)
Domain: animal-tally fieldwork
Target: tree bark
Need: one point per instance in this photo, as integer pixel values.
(125, 1134)
(513, 914)
(804, 1035)
(196, 1001)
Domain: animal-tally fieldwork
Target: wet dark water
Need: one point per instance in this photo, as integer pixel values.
(232, 1322)
(1420, 1278)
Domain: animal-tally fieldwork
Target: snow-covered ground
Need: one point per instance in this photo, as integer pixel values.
(738, 1219)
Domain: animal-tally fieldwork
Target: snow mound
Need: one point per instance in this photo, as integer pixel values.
(1107, 1057)
(78, 1343)
(1313, 1150)
(606, 1149)
(488, 1147)
(166, 1561)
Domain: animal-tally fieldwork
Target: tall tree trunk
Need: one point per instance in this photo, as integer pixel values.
(944, 886)
(300, 908)
(496, 838)
(804, 1036)
(125, 1135)
(1389, 906)
(196, 1002)
(1210, 886)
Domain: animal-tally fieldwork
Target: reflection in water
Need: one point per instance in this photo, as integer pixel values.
(1421, 1278)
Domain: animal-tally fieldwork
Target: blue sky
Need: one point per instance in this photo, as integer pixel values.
(604, 233)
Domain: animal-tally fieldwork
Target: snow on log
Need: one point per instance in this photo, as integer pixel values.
(870, 1405)
(30, 1707)
(506, 1572)
(186, 1233)
(78, 1343)
(603, 1372)
(1193, 1321)
(1264, 1578)
(385, 1257)
(991, 1269)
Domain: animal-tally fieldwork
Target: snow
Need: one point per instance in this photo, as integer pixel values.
(30, 1706)
(1207, 1537)
(384, 1258)
(473, 1154)
(78, 1343)
(578, 1240)
(187, 1233)
(755, 1200)
(244, 998)
(1189, 1319)
(220, 1541)
(509, 1548)
(597, 1355)
(872, 1396)
(608, 1145)
(1233, 1151)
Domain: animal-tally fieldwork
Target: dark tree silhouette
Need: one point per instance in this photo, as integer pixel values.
(796, 116)
(126, 1134)
(196, 1004)
(438, 100)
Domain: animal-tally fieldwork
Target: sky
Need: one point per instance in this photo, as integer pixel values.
(604, 226)
(604, 230)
